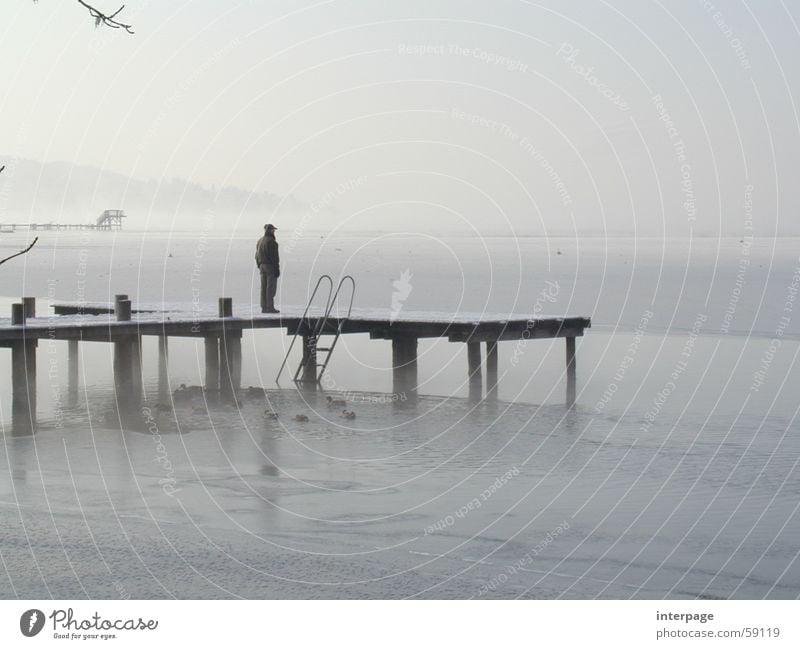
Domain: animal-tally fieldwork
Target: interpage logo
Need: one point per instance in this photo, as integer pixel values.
(31, 622)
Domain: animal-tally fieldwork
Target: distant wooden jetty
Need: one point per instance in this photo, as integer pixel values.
(108, 220)
(124, 327)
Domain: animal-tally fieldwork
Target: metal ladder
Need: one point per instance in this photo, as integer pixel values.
(314, 332)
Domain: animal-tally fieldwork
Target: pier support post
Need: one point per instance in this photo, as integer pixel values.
(491, 370)
(230, 354)
(474, 368)
(136, 365)
(234, 345)
(23, 379)
(72, 370)
(124, 359)
(163, 374)
(309, 376)
(123, 371)
(212, 363)
(404, 367)
(571, 382)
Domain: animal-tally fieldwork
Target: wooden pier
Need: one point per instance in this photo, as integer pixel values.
(108, 220)
(123, 326)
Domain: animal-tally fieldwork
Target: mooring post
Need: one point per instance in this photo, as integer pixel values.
(29, 306)
(72, 370)
(404, 367)
(309, 362)
(122, 308)
(474, 368)
(212, 363)
(163, 374)
(491, 369)
(119, 297)
(23, 378)
(571, 381)
(17, 314)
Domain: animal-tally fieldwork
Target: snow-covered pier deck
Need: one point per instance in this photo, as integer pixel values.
(124, 326)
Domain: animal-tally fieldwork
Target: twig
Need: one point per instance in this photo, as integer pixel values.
(21, 252)
(106, 19)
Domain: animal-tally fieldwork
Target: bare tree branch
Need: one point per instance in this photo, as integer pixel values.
(106, 19)
(21, 252)
(109, 20)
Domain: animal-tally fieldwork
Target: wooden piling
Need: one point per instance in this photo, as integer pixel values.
(225, 307)
(23, 380)
(230, 354)
(123, 369)
(212, 363)
(17, 314)
(571, 378)
(163, 373)
(230, 357)
(119, 297)
(404, 367)
(309, 376)
(29, 307)
(122, 308)
(491, 369)
(72, 370)
(136, 365)
(234, 352)
(225, 385)
(124, 381)
(474, 369)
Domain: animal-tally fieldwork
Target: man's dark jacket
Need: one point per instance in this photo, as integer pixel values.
(267, 255)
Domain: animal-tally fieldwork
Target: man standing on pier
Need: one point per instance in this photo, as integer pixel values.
(268, 264)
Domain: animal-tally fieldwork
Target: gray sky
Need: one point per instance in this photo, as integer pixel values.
(509, 117)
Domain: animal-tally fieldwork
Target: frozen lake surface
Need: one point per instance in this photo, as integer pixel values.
(676, 475)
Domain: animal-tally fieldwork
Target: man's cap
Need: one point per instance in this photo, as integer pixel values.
(269, 226)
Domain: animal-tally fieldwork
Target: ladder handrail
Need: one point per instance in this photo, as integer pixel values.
(352, 295)
(304, 317)
(341, 320)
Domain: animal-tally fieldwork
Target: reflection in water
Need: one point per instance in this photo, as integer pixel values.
(194, 496)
